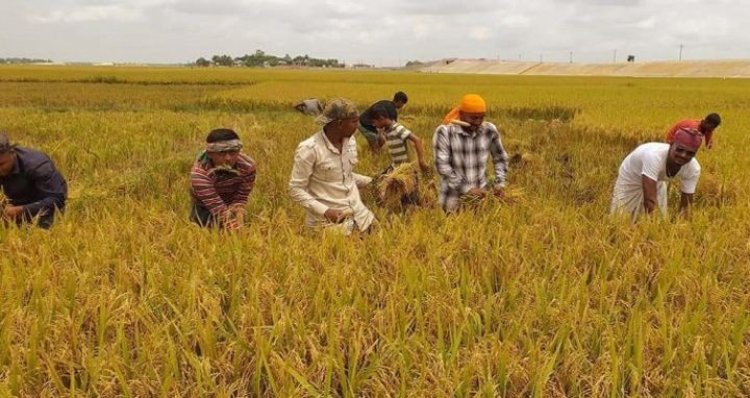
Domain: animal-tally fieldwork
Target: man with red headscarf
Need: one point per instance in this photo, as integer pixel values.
(642, 181)
(705, 127)
(462, 145)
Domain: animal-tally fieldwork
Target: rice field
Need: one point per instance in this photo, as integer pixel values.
(544, 295)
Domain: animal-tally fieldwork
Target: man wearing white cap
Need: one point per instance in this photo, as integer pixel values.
(323, 180)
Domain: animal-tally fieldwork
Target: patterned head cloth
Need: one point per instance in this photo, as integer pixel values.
(690, 138)
(5, 145)
(337, 109)
(224, 146)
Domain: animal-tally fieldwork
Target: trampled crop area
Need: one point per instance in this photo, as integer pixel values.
(543, 296)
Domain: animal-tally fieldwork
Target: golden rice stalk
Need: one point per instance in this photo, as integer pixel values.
(428, 192)
(514, 195)
(510, 195)
(524, 159)
(398, 183)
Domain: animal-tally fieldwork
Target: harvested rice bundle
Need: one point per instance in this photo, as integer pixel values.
(343, 225)
(400, 182)
(510, 195)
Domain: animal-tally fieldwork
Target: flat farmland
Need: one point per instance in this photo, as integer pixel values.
(544, 296)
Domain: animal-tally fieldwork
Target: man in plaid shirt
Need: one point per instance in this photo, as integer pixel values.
(462, 145)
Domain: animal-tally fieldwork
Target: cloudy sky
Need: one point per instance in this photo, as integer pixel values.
(381, 32)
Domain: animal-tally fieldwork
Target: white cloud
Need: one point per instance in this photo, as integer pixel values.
(89, 14)
(480, 33)
(373, 32)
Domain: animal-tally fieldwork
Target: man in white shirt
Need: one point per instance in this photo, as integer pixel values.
(642, 181)
(323, 180)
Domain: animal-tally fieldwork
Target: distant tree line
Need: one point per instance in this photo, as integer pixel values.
(261, 59)
(24, 61)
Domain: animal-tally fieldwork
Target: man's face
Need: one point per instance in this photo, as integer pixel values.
(681, 154)
(475, 120)
(382, 122)
(399, 104)
(227, 158)
(7, 160)
(348, 126)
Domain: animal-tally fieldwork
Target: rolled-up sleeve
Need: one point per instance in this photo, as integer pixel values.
(304, 161)
(499, 159)
(441, 145)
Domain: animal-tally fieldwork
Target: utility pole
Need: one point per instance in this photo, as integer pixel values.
(541, 58)
(571, 57)
(680, 52)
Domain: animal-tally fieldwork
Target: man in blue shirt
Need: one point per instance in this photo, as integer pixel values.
(32, 186)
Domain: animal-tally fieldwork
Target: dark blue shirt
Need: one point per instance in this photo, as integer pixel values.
(364, 118)
(34, 183)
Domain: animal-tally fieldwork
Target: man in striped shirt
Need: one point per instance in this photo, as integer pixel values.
(462, 145)
(366, 127)
(395, 135)
(221, 181)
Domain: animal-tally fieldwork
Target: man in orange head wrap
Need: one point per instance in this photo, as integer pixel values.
(462, 146)
(641, 184)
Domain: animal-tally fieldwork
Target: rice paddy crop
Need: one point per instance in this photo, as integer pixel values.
(542, 294)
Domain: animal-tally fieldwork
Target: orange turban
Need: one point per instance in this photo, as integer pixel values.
(470, 103)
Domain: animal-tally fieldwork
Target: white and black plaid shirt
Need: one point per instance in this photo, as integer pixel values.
(461, 160)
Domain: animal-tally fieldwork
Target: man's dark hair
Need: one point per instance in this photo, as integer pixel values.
(5, 145)
(218, 135)
(713, 118)
(400, 97)
(379, 111)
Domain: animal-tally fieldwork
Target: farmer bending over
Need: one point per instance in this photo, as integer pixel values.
(392, 108)
(309, 107)
(641, 184)
(704, 127)
(33, 187)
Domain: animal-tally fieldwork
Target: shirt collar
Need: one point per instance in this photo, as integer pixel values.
(473, 134)
(16, 165)
(330, 146)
